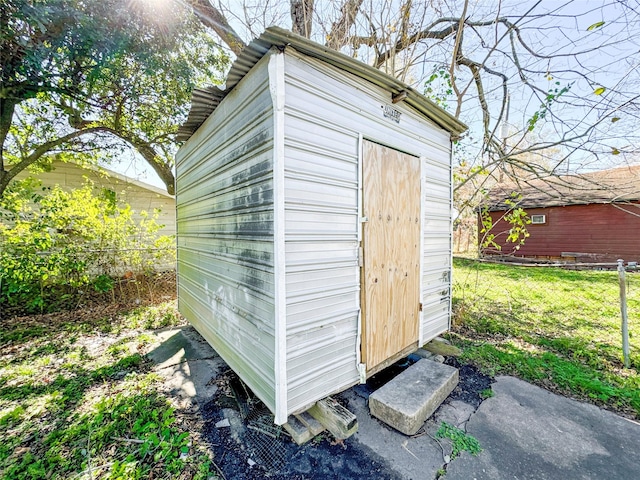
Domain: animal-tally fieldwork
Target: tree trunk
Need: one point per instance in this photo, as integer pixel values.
(161, 168)
(4, 181)
(7, 175)
(302, 17)
(340, 29)
(7, 107)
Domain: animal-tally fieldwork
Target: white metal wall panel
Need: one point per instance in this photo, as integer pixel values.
(356, 105)
(321, 207)
(277, 87)
(326, 111)
(226, 231)
(436, 261)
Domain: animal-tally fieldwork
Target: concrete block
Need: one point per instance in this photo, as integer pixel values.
(426, 354)
(442, 348)
(409, 399)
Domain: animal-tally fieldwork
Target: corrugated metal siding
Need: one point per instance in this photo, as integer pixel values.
(321, 208)
(225, 232)
(437, 231)
(326, 110)
(606, 232)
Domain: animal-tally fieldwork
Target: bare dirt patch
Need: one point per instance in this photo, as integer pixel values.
(252, 448)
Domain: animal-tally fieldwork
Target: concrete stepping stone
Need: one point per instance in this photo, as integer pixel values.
(410, 398)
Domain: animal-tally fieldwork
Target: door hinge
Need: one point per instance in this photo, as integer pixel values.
(364, 219)
(360, 256)
(420, 307)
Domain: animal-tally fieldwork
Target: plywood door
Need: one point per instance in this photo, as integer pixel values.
(391, 249)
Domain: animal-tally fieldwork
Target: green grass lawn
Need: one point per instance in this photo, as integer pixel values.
(556, 328)
(79, 400)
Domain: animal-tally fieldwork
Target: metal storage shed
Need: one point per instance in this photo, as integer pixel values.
(314, 220)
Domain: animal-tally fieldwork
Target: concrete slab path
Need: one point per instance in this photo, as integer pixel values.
(525, 432)
(529, 433)
(188, 365)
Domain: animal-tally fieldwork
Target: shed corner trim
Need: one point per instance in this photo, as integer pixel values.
(276, 88)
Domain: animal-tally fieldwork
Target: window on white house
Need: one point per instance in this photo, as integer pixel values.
(538, 219)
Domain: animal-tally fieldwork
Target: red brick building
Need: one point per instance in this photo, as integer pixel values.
(592, 217)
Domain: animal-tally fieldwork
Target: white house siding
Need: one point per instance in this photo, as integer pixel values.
(141, 197)
(325, 112)
(225, 232)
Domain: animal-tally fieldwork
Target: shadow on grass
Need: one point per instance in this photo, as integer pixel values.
(103, 319)
(489, 321)
(22, 329)
(600, 356)
(72, 387)
(37, 448)
(22, 339)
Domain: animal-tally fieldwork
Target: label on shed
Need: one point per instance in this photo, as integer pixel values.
(389, 112)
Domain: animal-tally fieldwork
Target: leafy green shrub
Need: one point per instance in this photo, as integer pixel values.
(57, 245)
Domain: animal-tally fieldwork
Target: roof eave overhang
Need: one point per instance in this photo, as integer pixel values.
(528, 206)
(205, 101)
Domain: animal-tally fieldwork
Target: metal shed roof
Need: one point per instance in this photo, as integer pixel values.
(205, 100)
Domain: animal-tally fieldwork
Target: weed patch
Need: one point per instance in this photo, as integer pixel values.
(486, 393)
(461, 441)
(78, 403)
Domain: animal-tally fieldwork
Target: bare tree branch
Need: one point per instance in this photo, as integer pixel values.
(455, 56)
(427, 32)
(214, 19)
(7, 175)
